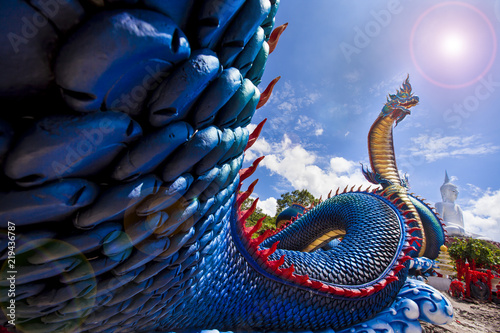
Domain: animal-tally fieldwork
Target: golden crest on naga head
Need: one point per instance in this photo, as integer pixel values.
(398, 105)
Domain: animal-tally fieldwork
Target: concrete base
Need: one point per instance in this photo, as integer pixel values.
(441, 284)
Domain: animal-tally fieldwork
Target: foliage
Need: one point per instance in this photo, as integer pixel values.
(268, 222)
(303, 197)
(484, 254)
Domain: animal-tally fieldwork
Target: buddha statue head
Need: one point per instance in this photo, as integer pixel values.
(449, 191)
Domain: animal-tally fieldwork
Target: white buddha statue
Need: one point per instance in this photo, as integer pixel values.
(450, 212)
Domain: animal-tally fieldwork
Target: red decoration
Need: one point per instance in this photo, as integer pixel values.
(457, 288)
(471, 275)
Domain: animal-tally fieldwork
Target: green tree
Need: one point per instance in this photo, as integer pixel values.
(486, 255)
(252, 220)
(303, 197)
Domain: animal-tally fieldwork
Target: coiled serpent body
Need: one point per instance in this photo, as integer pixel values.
(122, 143)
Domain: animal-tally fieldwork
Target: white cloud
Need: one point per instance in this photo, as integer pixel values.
(260, 147)
(483, 226)
(286, 101)
(436, 147)
(286, 106)
(286, 98)
(488, 205)
(268, 206)
(341, 165)
(305, 123)
(299, 167)
(251, 128)
(475, 191)
(482, 216)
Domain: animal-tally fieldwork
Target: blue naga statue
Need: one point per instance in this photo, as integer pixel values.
(122, 138)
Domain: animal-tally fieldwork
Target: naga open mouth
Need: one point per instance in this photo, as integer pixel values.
(371, 255)
(403, 109)
(411, 102)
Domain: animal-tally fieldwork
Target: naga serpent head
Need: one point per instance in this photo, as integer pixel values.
(398, 105)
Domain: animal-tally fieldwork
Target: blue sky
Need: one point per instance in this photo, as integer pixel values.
(338, 60)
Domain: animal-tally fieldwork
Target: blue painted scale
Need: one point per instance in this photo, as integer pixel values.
(122, 138)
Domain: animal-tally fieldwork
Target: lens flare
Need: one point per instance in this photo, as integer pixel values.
(453, 44)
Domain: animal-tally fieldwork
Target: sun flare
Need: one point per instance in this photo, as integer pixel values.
(453, 45)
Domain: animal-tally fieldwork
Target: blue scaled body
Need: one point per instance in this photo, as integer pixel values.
(122, 137)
